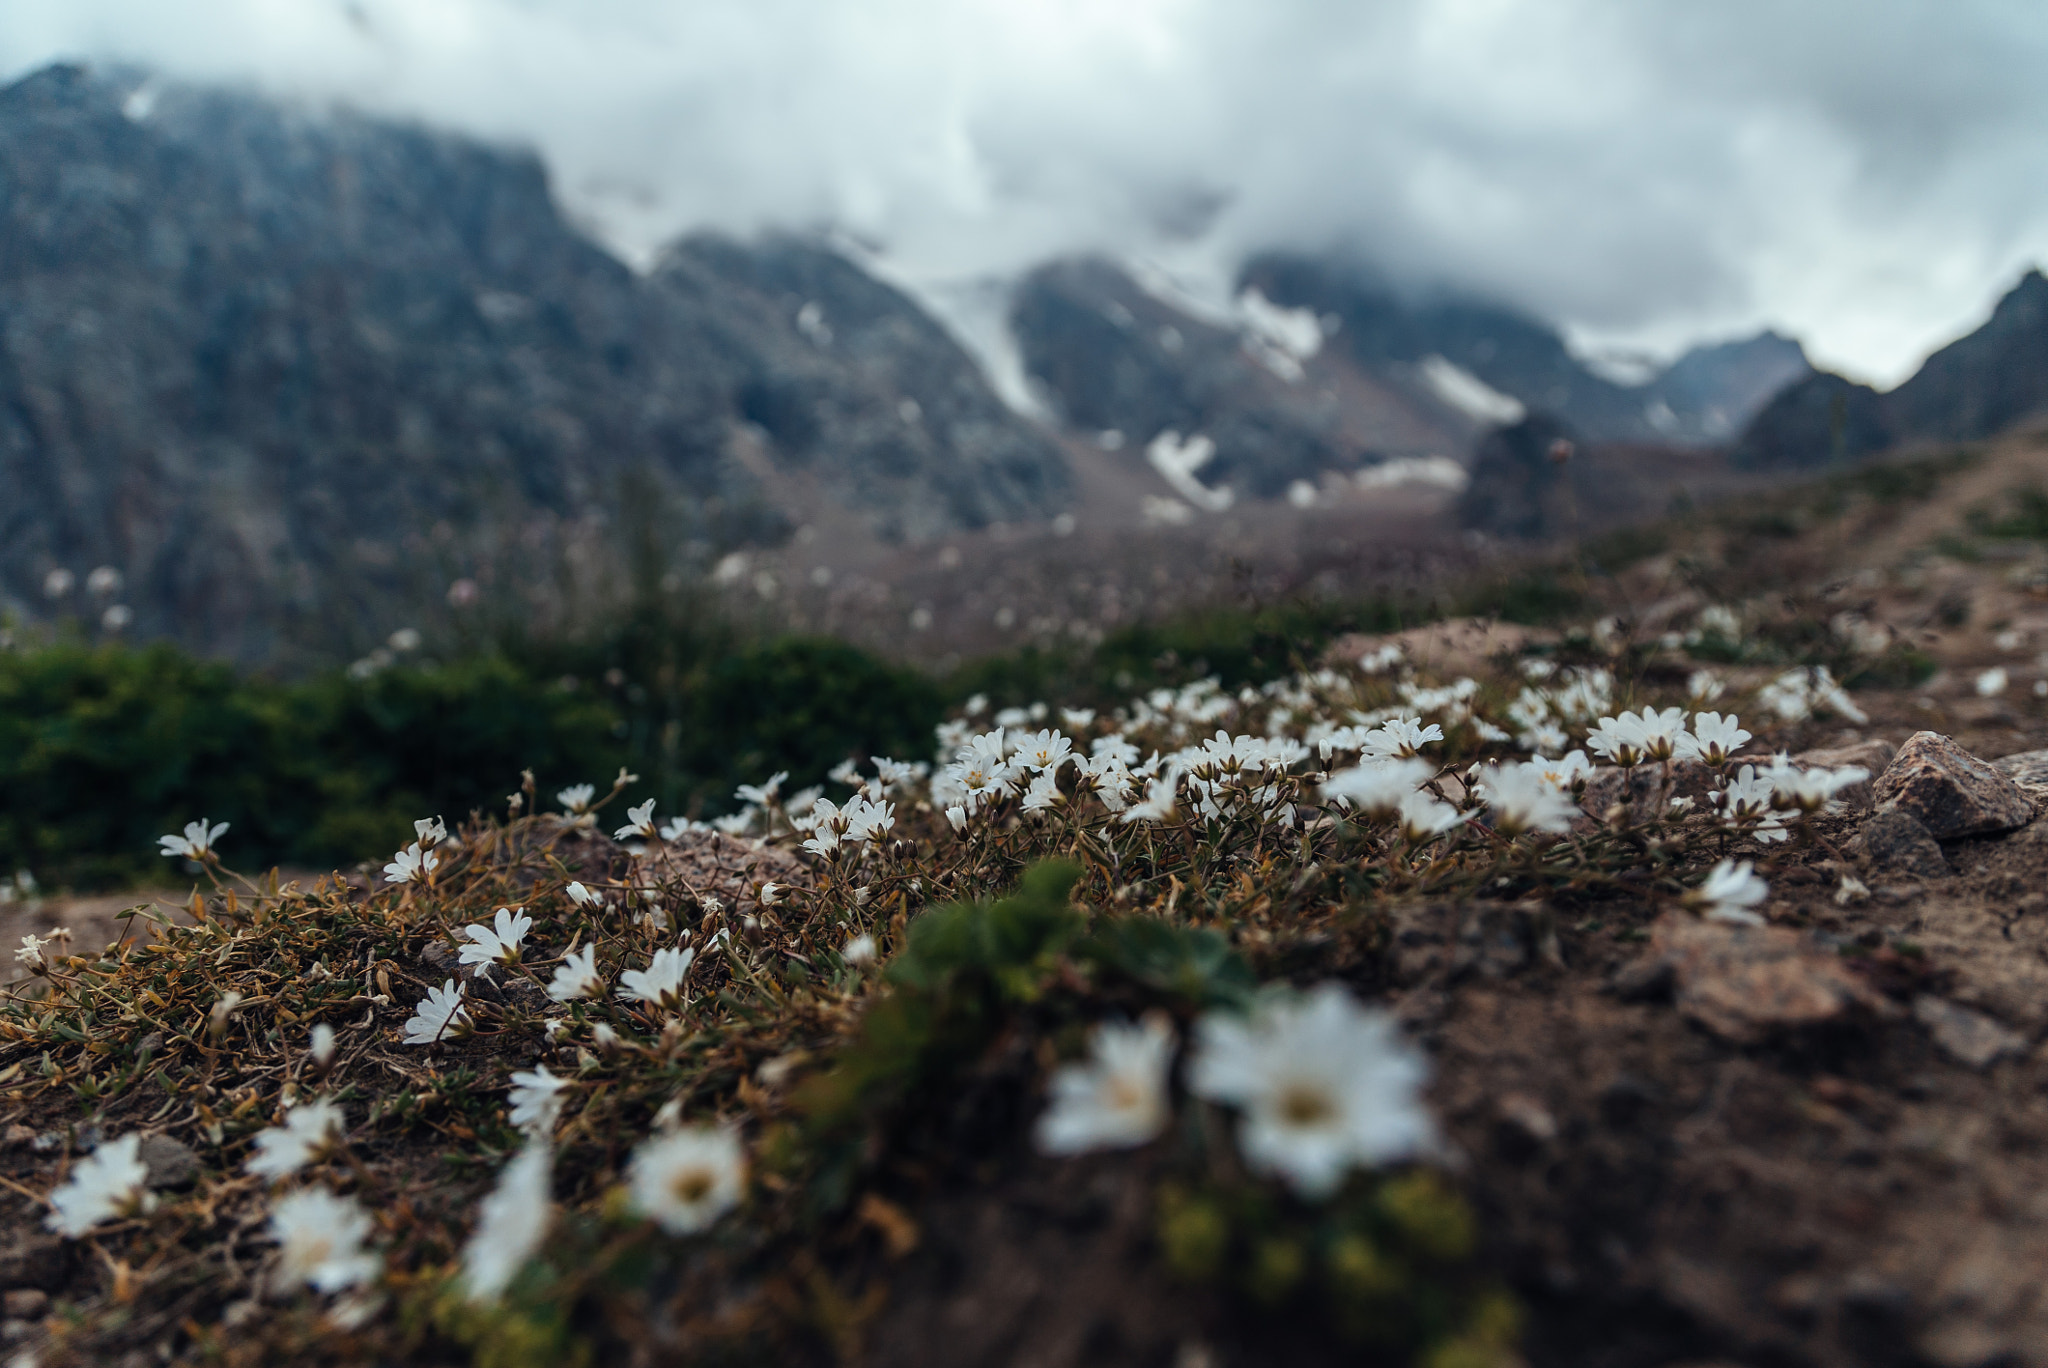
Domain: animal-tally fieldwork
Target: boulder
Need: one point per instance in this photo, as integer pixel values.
(1950, 791)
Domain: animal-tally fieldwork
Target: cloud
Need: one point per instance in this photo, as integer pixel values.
(1867, 175)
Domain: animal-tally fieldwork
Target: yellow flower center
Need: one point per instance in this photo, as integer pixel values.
(1305, 1105)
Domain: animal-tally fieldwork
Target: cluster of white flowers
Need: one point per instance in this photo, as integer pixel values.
(1322, 1086)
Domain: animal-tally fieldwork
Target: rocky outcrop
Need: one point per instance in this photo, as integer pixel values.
(292, 374)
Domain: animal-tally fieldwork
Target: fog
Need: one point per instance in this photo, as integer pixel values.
(1868, 176)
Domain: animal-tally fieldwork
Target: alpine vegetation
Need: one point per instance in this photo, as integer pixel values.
(686, 1088)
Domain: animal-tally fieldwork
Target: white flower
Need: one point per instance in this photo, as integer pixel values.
(1746, 801)
(31, 952)
(440, 1013)
(1731, 893)
(1044, 792)
(323, 1237)
(430, 830)
(1158, 803)
(1853, 890)
(112, 1181)
(1402, 738)
(1991, 683)
(411, 865)
(868, 819)
(582, 896)
(1424, 817)
(498, 944)
(762, 795)
(1118, 1098)
(1713, 739)
(322, 1048)
(536, 1099)
(1523, 798)
(771, 893)
(1324, 1084)
(661, 982)
(639, 823)
(1810, 790)
(310, 1130)
(196, 843)
(1704, 686)
(688, 1179)
(1633, 738)
(577, 977)
(859, 950)
(510, 1224)
(576, 798)
(1569, 772)
(1044, 752)
(1379, 786)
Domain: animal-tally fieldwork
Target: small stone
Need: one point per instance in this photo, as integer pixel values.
(1897, 843)
(171, 1162)
(1970, 1037)
(1745, 983)
(1951, 791)
(26, 1303)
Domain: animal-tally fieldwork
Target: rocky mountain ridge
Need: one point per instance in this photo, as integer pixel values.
(1978, 386)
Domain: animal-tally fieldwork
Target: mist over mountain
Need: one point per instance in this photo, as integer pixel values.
(291, 375)
(287, 373)
(1977, 386)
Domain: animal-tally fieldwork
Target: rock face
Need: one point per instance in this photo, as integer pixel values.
(289, 372)
(1977, 386)
(1950, 791)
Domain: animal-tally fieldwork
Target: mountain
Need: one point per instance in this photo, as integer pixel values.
(1701, 399)
(1721, 386)
(1115, 358)
(292, 374)
(1975, 387)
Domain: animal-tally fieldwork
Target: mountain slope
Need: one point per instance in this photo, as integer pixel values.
(1975, 387)
(292, 375)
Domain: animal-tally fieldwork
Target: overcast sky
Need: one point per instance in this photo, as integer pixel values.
(1868, 175)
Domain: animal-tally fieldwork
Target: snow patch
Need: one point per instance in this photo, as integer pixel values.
(1467, 393)
(1177, 461)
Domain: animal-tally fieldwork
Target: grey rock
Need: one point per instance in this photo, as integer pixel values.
(1951, 791)
(170, 1161)
(1897, 843)
(2028, 770)
(1970, 1037)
